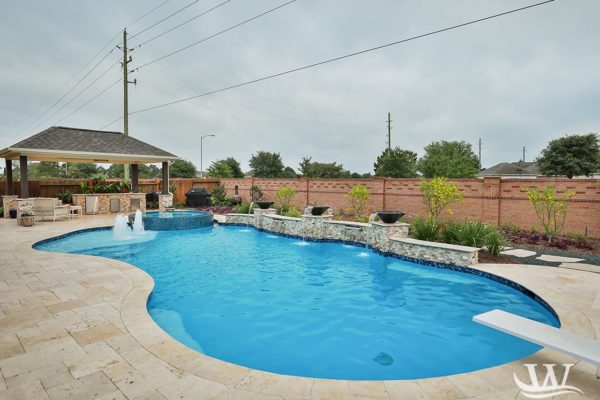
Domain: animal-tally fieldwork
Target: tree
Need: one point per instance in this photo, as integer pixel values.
(313, 169)
(44, 169)
(266, 164)
(396, 163)
(81, 170)
(449, 159)
(358, 197)
(219, 169)
(550, 209)
(144, 171)
(571, 156)
(182, 169)
(226, 168)
(288, 172)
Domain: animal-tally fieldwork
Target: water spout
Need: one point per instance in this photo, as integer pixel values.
(121, 230)
(138, 224)
(249, 212)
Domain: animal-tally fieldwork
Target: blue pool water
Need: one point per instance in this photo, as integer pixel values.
(323, 310)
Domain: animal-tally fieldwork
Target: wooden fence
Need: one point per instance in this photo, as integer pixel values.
(52, 187)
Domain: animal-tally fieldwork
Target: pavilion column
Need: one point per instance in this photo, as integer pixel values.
(9, 178)
(134, 178)
(24, 179)
(165, 177)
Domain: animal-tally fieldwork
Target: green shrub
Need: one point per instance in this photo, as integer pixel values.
(424, 229)
(1, 212)
(243, 208)
(284, 197)
(219, 196)
(65, 196)
(358, 197)
(495, 242)
(256, 193)
(293, 212)
(550, 209)
(438, 194)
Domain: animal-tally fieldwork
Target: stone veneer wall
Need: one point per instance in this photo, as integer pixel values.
(9, 202)
(387, 238)
(164, 201)
(104, 201)
(438, 252)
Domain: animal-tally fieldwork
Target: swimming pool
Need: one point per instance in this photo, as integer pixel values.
(311, 309)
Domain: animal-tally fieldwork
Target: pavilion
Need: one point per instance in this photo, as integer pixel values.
(64, 144)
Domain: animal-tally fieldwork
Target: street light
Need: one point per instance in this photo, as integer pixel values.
(201, 139)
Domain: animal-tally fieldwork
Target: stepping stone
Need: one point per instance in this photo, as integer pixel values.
(581, 267)
(551, 258)
(519, 253)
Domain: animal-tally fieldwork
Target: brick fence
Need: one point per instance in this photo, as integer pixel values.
(491, 200)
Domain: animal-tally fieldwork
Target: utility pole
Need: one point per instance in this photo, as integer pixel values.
(126, 60)
(480, 154)
(523, 153)
(389, 138)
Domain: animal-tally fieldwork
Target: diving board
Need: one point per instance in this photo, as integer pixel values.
(544, 335)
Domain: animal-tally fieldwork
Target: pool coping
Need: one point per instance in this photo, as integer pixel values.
(576, 301)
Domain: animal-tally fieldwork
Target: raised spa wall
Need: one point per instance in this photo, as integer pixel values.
(386, 238)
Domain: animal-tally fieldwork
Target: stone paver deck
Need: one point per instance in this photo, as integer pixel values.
(76, 327)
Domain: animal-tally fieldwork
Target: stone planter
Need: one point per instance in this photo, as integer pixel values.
(27, 220)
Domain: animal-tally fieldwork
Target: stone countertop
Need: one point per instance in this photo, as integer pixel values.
(438, 245)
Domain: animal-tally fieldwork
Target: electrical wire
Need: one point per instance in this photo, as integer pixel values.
(217, 34)
(316, 64)
(148, 13)
(183, 23)
(165, 18)
(89, 101)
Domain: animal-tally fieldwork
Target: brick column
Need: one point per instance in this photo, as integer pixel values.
(491, 200)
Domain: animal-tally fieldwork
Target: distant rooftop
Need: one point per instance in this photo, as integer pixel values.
(60, 143)
(512, 169)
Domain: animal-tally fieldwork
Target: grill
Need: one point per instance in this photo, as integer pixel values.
(152, 199)
(197, 197)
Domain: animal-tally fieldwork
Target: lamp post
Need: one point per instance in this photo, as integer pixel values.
(201, 140)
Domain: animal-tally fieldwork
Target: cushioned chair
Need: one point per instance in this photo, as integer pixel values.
(49, 207)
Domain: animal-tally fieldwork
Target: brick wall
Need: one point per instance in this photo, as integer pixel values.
(491, 200)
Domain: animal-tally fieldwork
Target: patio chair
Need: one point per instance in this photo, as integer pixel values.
(49, 207)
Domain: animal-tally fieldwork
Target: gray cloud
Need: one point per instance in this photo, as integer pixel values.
(517, 81)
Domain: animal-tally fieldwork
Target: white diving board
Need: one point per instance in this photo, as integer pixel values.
(544, 335)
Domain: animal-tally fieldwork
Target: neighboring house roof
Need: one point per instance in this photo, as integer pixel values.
(249, 174)
(512, 169)
(67, 144)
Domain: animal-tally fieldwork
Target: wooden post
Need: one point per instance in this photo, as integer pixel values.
(134, 178)
(24, 180)
(165, 177)
(9, 178)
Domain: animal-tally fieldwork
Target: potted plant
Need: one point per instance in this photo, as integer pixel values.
(26, 219)
(12, 213)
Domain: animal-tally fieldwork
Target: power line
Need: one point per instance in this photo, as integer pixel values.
(217, 34)
(148, 13)
(80, 92)
(89, 101)
(290, 71)
(165, 18)
(183, 23)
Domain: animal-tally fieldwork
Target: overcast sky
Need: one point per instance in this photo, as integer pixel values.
(519, 80)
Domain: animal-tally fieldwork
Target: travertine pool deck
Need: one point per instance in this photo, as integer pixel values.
(76, 327)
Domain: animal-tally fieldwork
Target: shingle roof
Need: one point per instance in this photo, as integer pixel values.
(91, 141)
(515, 168)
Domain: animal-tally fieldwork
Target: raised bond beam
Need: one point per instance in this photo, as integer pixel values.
(567, 342)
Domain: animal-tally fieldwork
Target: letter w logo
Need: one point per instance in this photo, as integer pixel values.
(549, 386)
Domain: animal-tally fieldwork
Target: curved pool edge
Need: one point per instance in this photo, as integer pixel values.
(148, 334)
